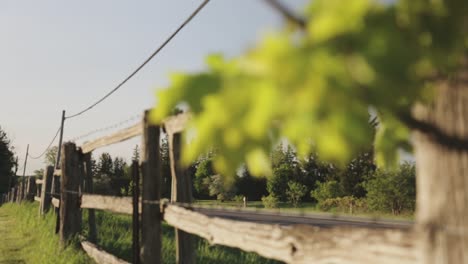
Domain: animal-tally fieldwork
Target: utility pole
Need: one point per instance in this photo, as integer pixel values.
(59, 151)
(24, 172)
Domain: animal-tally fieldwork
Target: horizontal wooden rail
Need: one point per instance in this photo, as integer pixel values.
(39, 181)
(37, 199)
(176, 124)
(56, 202)
(121, 205)
(119, 136)
(300, 243)
(58, 172)
(99, 255)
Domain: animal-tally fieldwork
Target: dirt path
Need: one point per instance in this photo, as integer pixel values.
(11, 242)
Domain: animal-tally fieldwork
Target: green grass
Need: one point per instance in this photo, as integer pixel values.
(27, 238)
(115, 236)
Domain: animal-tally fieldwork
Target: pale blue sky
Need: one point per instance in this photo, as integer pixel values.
(58, 55)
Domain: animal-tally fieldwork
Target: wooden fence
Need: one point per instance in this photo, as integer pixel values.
(70, 189)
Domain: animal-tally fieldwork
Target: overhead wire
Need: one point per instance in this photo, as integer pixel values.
(107, 128)
(48, 147)
(186, 21)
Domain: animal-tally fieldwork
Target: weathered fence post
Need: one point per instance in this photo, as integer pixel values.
(151, 214)
(181, 192)
(136, 212)
(70, 212)
(13, 194)
(46, 188)
(56, 193)
(31, 189)
(89, 189)
(19, 193)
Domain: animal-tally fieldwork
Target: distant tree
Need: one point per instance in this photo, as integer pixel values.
(218, 187)
(105, 164)
(314, 170)
(120, 177)
(285, 168)
(295, 192)
(104, 172)
(136, 154)
(204, 170)
(326, 190)
(277, 184)
(8, 163)
(50, 157)
(355, 173)
(254, 188)
(392, 190)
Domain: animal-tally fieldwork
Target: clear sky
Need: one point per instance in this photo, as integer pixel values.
(64, 55)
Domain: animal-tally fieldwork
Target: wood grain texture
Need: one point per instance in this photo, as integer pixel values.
(300, 243)
(119, 136)
(181, 192)
(70, 213)
(99, 255)
(151, 239)
(121, 205)
(176, 124)
(442, 173)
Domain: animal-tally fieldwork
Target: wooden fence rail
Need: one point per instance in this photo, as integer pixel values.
(347, 241)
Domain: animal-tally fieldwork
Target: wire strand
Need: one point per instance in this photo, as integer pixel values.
(194, 13)
(48, 147)
(107, 128)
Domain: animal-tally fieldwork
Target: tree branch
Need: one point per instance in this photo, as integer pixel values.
(434, 132)
(288, 14)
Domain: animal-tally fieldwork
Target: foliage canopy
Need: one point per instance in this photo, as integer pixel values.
(315, 85)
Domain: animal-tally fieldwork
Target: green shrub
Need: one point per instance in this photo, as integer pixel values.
(270, 201)
(393, 191)
(295, 192)
(349, 204)
(326, 190)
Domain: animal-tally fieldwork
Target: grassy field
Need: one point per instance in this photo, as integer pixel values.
(115, 236)
(25, 238)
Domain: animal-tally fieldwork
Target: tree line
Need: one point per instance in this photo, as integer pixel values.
(358, 185)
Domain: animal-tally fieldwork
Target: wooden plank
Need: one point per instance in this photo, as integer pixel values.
(176, 124)
(301, 243)
(121, 205)
(70, 213)
(151, 213)
(119, 136)
(56, 202)
(37, 199)
(99, 255)
(181, 192)
(39, 181)
(58, 172)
